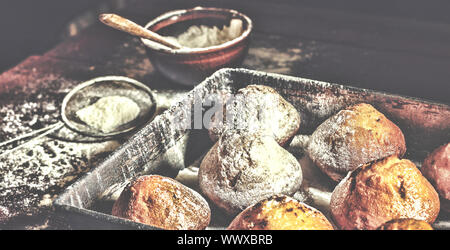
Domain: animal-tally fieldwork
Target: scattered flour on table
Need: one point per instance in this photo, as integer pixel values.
(30, 178)
(263, 56)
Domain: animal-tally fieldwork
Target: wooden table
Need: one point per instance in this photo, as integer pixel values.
(375, 47)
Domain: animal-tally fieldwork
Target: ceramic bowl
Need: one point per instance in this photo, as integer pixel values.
(189, 66)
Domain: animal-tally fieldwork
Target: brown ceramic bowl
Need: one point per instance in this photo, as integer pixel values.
(189, 66)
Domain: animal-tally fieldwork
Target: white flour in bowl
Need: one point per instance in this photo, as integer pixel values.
(203, 36)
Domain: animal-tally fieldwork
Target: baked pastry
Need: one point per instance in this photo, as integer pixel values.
(381, 191)
(256, 107)
(354, 136)
(242, 169)
(280, 212)
(162, 202)
(406, 224)
(436, 168)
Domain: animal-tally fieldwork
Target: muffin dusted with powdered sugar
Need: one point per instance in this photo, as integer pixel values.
(253, 108)
(242, 169)
(354, 136)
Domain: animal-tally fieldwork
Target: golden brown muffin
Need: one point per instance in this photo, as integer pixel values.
(162, 202)
(257, 107)
(354, 136)
(436, 168)
(406, 224)
(242, 169)
(280, 212)
(381, 191)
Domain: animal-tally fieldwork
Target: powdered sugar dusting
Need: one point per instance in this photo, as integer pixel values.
(32, 176)
(321, 147)
(354, 136)
(238, 171)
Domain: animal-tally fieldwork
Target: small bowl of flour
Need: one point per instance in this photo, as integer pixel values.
(210, 39)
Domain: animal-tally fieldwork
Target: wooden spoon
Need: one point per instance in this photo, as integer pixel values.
(123, 24)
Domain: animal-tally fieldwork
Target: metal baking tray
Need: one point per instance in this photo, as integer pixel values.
(159, 149)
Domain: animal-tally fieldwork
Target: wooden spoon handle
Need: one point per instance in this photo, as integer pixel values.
(123, 24)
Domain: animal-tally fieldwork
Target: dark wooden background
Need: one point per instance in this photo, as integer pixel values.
(398, 46)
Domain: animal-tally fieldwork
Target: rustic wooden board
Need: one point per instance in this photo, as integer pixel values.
(375, 47)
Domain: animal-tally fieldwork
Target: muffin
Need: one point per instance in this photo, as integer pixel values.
(242, 169)
(280, 212)
(436, 168)
(406, 224)
(354, 136)
(253, 108)
(162, 202)
(381, 191)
